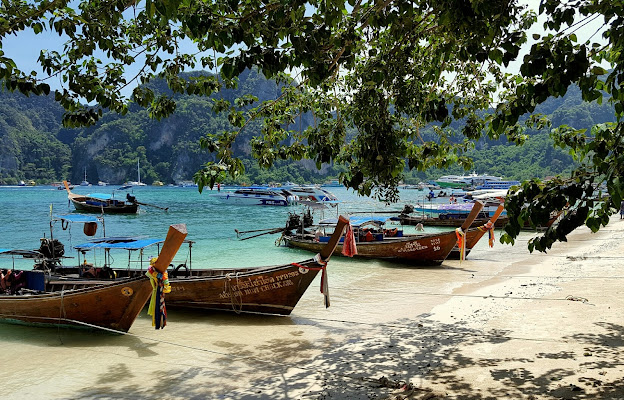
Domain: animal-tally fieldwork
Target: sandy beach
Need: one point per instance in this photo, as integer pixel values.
(502, 324)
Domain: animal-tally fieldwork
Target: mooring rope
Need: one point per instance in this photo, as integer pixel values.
(237, 305)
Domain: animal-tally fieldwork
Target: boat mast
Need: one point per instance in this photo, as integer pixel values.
(138, 172)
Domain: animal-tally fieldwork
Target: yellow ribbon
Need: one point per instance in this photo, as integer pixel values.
(152, 274)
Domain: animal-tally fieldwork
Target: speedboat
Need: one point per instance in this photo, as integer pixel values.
(255, 196)
(311, 193)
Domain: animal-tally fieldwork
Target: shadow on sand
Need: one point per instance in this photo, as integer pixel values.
(350, 363)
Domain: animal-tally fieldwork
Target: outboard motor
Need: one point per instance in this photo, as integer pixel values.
(51, 248)
(293, 222)
(308, 220)
(408, 209)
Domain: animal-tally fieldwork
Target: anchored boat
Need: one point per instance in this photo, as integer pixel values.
(255, 196)
(374, 240)
(35, 297)
(268, 290)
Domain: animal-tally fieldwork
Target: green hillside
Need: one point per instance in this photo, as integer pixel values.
(34, 146)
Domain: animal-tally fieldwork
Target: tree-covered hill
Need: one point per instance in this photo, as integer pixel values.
(33, 145)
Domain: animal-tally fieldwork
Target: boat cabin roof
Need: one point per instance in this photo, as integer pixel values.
(78, 218)
(21, 253)
(124, 243)
(357, 221)
(258, 190)
(101, 196)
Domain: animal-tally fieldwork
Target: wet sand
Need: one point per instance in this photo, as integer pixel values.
(498, 325)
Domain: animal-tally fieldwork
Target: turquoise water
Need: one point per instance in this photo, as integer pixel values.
(25, 219)
(210, 355)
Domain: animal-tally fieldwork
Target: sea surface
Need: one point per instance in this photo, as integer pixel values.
(26, 213)
(210, 354)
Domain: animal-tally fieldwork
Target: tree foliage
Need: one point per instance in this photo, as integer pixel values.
(387, 70)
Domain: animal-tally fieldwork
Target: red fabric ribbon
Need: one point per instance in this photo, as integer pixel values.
(349, 247)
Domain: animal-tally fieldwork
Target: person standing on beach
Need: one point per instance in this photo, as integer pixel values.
(622, 210)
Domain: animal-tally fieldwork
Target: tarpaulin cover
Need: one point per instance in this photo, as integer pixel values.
(124, 244)
(360, 220)
(77, 218)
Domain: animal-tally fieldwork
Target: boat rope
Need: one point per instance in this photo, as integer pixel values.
(236, 297)
(450, 295)
(375, 381)
(160, 286)
(324, 280)
(62, 313)
(279, 240)
(461, 243)
(489, 227)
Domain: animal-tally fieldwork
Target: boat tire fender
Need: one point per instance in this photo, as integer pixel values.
(108, 273)
(177, 269)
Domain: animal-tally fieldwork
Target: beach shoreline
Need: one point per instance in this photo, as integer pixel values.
(547, 325)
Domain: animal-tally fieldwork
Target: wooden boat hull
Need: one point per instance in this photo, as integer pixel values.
(113, 305)
(266, 290)
(108, 209)
(426, 249)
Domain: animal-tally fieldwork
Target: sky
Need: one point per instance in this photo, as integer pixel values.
(25, 47)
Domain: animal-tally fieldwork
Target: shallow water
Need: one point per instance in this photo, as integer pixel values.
(218, 355)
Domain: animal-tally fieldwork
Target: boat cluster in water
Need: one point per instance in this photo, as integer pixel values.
(100, 296)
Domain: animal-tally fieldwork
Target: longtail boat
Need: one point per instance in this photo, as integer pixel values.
(102, 203)
(33, 298)
(375, 242)
(267, 290)
(474, 235)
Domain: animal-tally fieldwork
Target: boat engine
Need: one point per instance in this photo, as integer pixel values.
(295, 221)
(308, 220)
(51, 248)
(408, 209)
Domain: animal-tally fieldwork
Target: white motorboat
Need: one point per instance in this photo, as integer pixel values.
(310, 193)
(255, 196)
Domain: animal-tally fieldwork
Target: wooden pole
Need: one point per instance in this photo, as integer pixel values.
(175, 237)
(476, 209)
(329, 248)
(151, 205)
(497, 213)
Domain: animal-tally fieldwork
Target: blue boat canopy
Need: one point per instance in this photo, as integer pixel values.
(101, 196)
(22, 253)
(79, 218)
(360, 220)
(119, 243)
